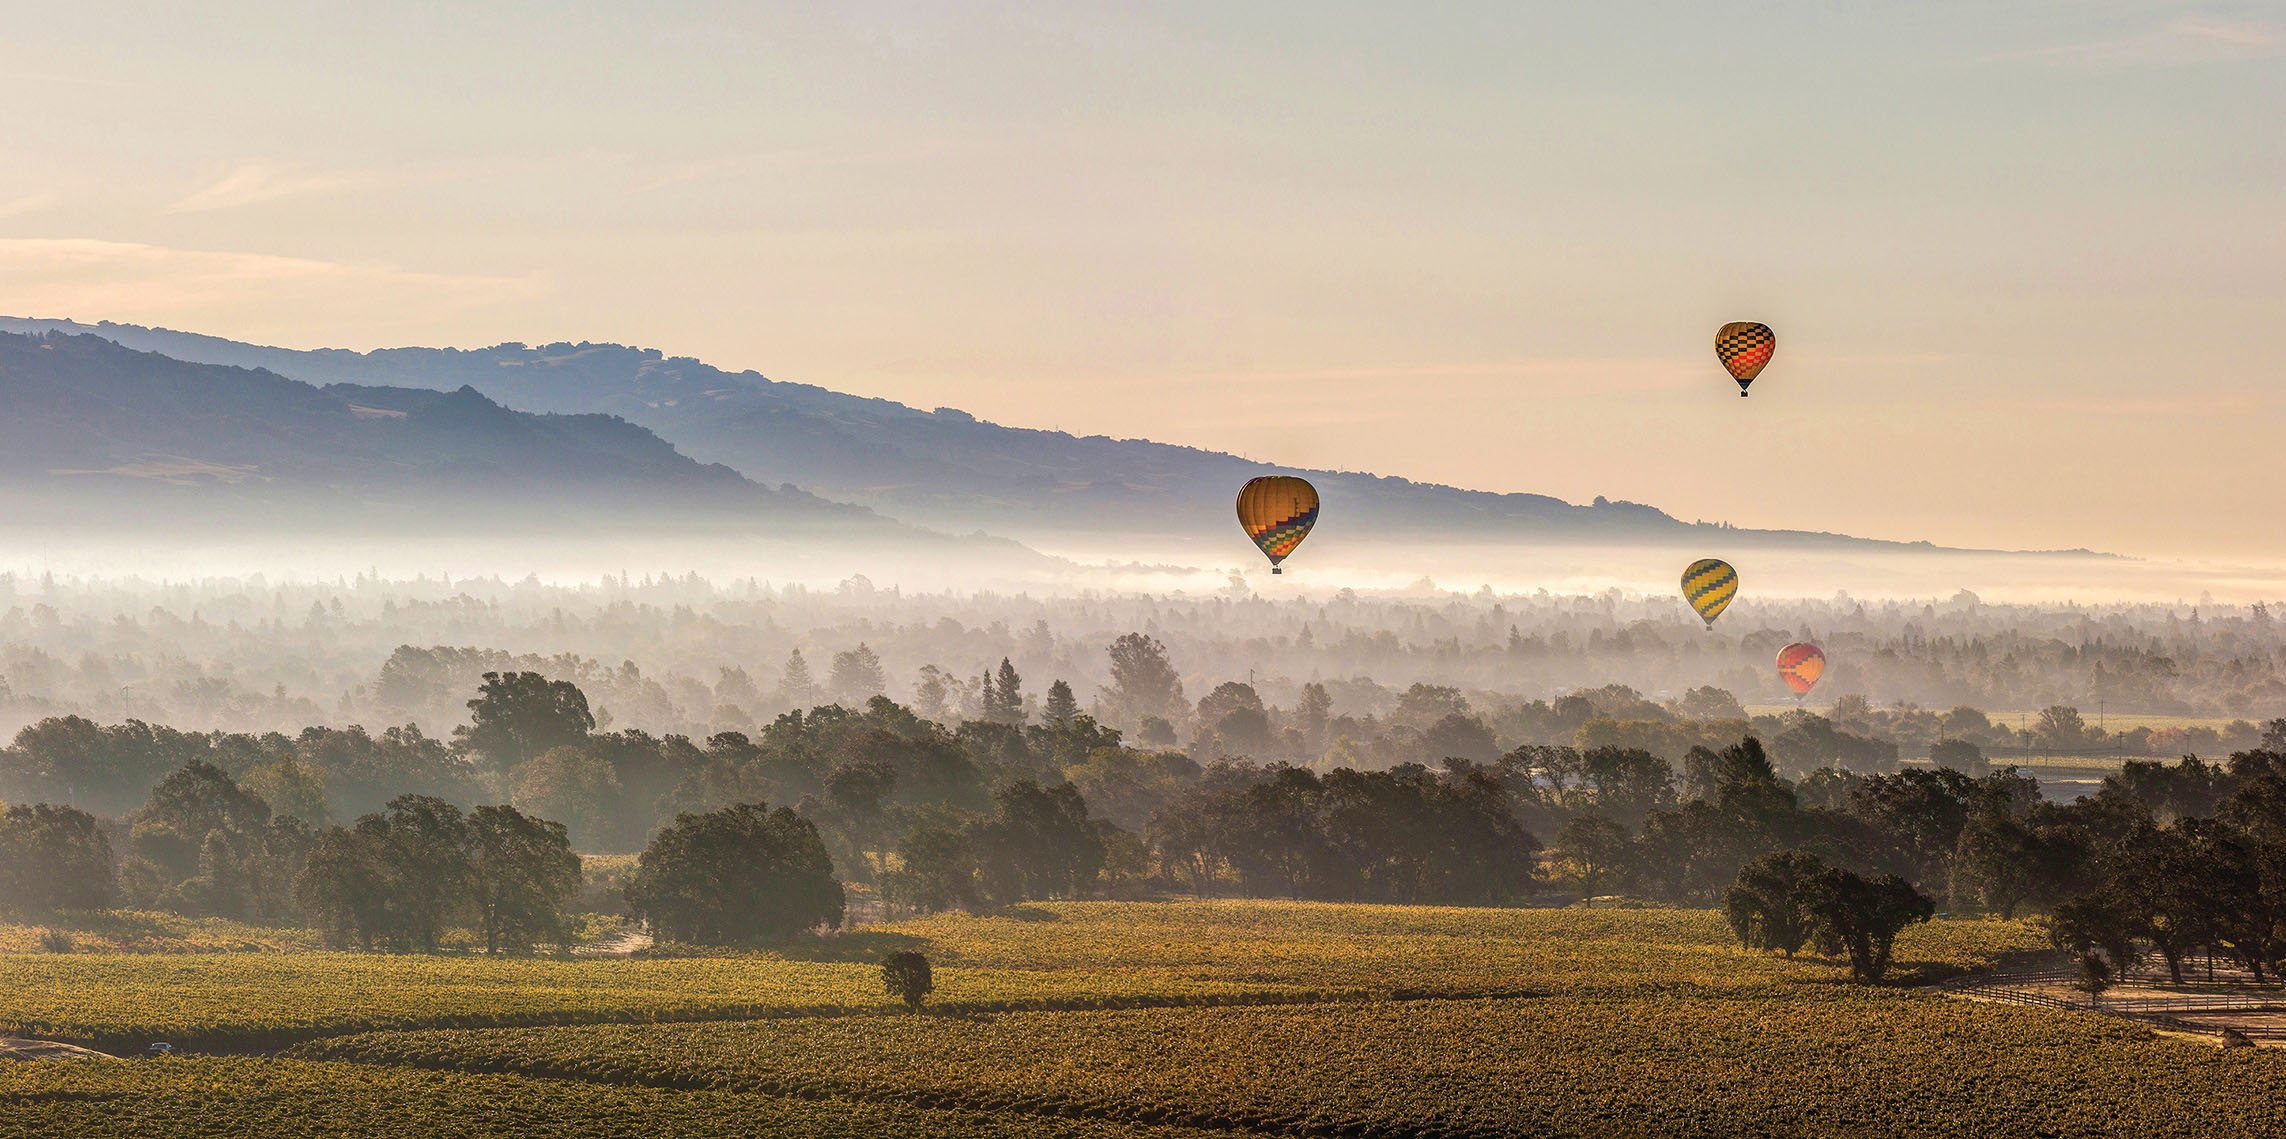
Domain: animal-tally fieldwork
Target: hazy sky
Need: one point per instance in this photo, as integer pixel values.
(2027, 262)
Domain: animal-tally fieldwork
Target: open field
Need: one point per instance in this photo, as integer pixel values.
(2112, 721)
(1817, 1059)
(1118, 1019)
(1054, 956)
(207, 1097)
(1414, 949)
(137, 931)
(251, 1001)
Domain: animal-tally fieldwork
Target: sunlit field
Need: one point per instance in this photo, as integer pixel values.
(1127, 1019)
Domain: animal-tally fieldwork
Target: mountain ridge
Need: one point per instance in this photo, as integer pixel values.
(943, 468)
(95, 427)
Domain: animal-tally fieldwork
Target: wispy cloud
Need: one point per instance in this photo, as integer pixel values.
(2187, 41)
(265, 182)
(94, 279)
(29, 203)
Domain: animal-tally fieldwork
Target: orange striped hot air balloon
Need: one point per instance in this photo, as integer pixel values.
(1745, 348)
(1277, 512)
(1800, 665)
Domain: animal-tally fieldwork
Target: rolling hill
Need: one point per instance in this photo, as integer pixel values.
(96, 430)
(942, 468)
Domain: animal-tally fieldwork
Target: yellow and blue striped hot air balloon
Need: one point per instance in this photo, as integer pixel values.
(1277, 512)
(1708, 585)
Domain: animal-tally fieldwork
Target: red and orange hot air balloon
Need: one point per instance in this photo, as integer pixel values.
(1745, 348)
(1800, 665)
(1277, 512)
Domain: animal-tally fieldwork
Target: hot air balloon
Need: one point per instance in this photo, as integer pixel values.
(1277, 512)
(1801, 664)
(1709, 584)
(1745, 348)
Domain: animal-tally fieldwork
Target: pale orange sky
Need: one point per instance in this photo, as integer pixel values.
(2026, 261)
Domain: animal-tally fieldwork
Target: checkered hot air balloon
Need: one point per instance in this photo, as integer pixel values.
(1800, 665)
(1745, 348)
(1709, 584)
(1277, 512)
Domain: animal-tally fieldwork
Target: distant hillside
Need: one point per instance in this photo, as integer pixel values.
(943, 468)
(93, 423)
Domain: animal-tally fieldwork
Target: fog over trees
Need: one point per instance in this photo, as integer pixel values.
(686, 656)
(387, 761)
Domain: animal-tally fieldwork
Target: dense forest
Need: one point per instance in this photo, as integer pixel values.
(389, 840)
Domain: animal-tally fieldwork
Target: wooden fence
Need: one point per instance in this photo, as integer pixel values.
(2158, 1010)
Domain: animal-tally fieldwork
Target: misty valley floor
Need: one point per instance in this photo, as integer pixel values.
(1089, 1019)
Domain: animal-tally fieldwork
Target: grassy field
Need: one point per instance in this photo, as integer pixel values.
(1392, 1021)
(134, 931)
(217, 1097)
(1413, 949)
(1064, 956)
(1819, 1059)
(2022, 717)
(251, 1002)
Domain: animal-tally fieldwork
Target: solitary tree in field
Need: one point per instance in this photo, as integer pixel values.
(2062, 727)
(905, 975)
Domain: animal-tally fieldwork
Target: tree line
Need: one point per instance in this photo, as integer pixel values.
(990, 812)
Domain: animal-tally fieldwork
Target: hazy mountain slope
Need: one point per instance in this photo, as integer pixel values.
(944, 468)
(98, 423)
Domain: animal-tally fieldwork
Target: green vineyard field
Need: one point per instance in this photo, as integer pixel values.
(1116, 1019)
(262, 1001)
(1810, 1060)
(206, 1097)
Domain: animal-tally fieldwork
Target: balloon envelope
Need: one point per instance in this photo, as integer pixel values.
(1277, 512)
(1709, 584)
(1745, 348)
(1801, 664)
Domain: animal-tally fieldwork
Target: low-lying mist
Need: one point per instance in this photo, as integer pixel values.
(675, 635)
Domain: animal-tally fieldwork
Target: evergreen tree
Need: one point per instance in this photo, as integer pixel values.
(857, 676)
(1005, 700)
(795, 687)
(1061, 705)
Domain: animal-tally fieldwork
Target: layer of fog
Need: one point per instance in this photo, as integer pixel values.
(1181, 565)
